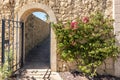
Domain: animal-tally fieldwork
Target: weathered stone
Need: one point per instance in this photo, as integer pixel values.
(66, 10)
(69, 1)
(110, 71)
(62, 4)
(117, 67)
(51, 3)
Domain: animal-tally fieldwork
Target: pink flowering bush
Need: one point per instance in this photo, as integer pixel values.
(87, 41)
(74, 25)
(85, 19)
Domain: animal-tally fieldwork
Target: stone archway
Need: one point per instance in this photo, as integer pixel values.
(25, 11)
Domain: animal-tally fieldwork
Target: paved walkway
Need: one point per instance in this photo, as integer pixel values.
(37, 66)
(39, 57)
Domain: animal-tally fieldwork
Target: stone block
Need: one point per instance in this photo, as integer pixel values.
(117, 28)
(117, 9)
(110, 66)
(69, 1)
(100, 71)
(117, 2)
(117, 67)
(101, 68)
(117, 18)
(109, 61)
(62, 4)
(64, 8)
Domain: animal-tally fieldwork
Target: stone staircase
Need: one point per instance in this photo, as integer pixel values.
(37, 65)
(38, 74)
(35, 74)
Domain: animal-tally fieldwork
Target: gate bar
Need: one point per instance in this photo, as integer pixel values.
(3, 40)
(22, 62)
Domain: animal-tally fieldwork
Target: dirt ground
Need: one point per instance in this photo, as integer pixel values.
(79, 76)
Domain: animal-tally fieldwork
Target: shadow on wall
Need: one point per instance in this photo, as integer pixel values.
(36, 31)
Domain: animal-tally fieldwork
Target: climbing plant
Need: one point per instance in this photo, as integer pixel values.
(87, 41)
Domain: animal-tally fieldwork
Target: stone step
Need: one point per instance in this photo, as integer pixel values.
(47, 76)
(35, 70)
(34, 76)
(33, 79)
(44, 73)
(35, 73)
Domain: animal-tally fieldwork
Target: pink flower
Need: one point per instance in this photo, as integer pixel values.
(85, 19)
(74, 25)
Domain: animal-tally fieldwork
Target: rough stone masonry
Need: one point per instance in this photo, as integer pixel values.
(69, 10)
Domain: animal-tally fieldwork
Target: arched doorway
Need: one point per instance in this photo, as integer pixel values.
(24, 12)
(37, 41)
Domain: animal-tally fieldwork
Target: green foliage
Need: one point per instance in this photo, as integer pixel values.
(5, 71)
(89, 45)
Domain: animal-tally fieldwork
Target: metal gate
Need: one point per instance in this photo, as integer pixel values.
(12, 44)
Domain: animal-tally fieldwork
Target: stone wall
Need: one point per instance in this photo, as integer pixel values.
(36, 31)
(68, 10)
(107, 67)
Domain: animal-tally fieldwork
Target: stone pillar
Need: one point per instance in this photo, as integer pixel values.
(53, 54)
(116, 16)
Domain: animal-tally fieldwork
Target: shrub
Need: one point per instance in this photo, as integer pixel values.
(5, 69)
(87, 41)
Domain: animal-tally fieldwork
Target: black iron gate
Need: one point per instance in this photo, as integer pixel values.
(12, 44)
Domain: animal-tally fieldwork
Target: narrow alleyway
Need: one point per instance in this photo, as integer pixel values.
(37, 66)
(39, 57)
